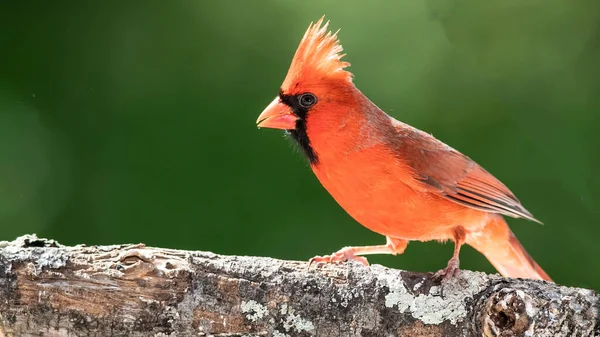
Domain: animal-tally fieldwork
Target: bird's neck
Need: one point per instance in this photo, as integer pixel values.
(360, 127)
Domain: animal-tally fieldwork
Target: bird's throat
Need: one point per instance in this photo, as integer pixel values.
(301, 137)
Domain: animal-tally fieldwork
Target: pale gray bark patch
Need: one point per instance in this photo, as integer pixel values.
(47, 289)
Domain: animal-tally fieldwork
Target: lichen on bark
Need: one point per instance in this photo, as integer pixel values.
(133, 290)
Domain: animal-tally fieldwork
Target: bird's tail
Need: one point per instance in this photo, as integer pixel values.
(501, 247)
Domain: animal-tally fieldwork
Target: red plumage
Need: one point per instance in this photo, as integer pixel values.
(392, 178)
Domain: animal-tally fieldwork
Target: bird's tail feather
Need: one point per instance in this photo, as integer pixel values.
(501, 247)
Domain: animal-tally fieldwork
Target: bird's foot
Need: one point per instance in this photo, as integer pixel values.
(449, 272)
(342, 255)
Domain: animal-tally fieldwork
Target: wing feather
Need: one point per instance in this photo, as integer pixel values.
(441, 169)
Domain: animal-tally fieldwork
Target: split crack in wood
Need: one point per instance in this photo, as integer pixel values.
(132, 290)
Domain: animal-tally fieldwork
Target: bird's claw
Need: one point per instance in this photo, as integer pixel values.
(452, 270)
(344, 254)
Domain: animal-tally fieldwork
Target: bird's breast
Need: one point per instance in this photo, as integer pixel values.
(374, 187)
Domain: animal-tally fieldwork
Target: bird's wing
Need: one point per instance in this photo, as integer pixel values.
(440, 169)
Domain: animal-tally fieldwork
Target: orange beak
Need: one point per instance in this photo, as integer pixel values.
(277, 115)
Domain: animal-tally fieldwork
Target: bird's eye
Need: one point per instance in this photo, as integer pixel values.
(307, 100)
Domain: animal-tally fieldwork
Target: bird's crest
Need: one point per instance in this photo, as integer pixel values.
(319, 53)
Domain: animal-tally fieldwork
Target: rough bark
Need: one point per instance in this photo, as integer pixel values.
(47, 289)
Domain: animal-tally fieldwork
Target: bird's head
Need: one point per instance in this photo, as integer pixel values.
(315, 88)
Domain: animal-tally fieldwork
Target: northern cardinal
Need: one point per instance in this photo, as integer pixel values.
(392, 178)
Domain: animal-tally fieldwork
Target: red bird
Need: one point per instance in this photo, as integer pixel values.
(392, 178)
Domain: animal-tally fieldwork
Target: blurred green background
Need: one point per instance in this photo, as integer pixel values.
(134, 121)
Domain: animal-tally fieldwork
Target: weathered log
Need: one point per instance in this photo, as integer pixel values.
(47, 289)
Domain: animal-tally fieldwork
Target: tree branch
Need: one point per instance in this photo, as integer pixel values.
(47, 289)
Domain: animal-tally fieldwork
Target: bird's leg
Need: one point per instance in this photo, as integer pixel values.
(453, 265)
(393, 246)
